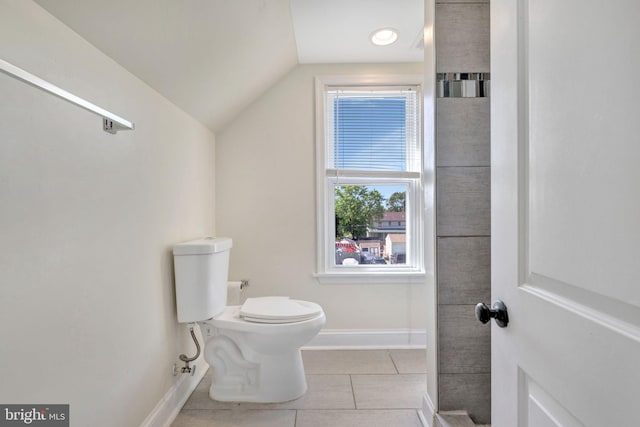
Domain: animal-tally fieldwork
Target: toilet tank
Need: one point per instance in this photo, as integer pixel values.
(201, 272)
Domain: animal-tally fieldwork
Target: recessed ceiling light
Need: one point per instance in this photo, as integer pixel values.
(384, 36)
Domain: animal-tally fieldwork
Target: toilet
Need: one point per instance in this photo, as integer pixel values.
(253, 349)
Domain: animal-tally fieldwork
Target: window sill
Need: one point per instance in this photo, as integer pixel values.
(398, 277)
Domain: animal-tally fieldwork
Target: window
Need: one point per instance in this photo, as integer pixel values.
(369, 180)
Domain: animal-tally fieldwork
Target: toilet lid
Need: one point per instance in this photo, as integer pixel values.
(278, 310)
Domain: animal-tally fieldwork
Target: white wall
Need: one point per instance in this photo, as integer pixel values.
(266, 202)
(87, 221)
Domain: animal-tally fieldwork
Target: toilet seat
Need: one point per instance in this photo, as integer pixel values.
(231, 320)
(278, 310)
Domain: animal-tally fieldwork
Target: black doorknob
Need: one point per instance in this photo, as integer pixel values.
(498, 311)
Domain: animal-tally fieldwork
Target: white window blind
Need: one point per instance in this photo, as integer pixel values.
(372, 130)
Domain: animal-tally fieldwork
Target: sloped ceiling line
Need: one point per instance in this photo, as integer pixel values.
(212, 58)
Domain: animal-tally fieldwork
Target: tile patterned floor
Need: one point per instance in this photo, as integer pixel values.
(347, 388)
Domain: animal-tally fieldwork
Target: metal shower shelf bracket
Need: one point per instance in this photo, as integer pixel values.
(111, 123)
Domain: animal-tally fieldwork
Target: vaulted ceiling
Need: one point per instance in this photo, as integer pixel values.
(212, 58)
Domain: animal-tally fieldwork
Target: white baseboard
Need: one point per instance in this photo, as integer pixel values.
(174, 399)
(423, 420)
(354, 339)
(428, 413)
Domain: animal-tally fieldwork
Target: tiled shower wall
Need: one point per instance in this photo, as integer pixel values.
(463, 212)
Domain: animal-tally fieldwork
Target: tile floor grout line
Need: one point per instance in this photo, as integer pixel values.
(353, 392)
(393, 362)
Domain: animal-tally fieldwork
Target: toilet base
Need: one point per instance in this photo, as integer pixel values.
(261, 378)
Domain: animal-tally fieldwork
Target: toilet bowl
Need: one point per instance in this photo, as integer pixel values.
(254, 361)
(253, 349)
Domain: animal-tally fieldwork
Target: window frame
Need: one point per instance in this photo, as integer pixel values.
(327, 178)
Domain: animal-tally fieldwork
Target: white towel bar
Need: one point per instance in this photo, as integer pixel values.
(110, 122)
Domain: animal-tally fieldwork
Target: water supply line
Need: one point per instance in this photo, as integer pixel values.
(186, 369)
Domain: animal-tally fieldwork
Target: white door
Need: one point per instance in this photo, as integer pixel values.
(566, 212)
